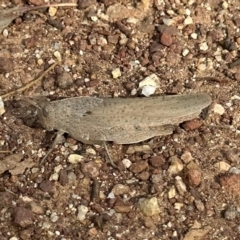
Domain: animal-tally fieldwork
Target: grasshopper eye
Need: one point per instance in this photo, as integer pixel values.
(45, 111)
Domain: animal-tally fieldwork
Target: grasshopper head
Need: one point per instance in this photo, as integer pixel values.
(45, 112)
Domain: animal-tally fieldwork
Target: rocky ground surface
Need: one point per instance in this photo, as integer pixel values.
(182, 186)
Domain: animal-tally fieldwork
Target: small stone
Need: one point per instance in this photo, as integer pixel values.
(186, 157)
(168, 22)
(90, 169)
(54, 177)
(194, 35)
(222, 166)
(23, 217)
(6, 199)
(13, 238)
(191, 125)
(101, 41)
(120, 189)
(93, 232)
(91, 151)
(36, 208)
(157, 161)
(194, 177)
(54, 217)
(143, 176)
(234, 170)
(36, 2)
(149, 206)
(72, 176)
(166, 39)
(82, 211)
(138, 166)
(152, 80)
(203, 46)
(2, 109)
(148, 90)
(176, 165)
(230, 213)
(82, 4)
(199, 205)
(75, 158)
(6, 65)
(141, 149)
(126, 162)
(64, 80)
(157, 178)
(185, 52)
(116, 73)
(172, 192)
(5, 32)
(63, 177)
(188, 20)
(122, 208)
(180, 185)
(52, 11)
(218, 108)
(95, 19)
(225, 5)
(46, 185)
(57, 54)
(231, 183)
(202, 67)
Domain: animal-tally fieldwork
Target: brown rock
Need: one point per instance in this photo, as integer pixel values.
(6, 65)
(46, 185)
(122, 207)
(64, 80)
(6, 199)
(30, 42)
(157, 161)
(26, 233)
(231, 183)
(194, 177)
(191, 125)
(237, 75)
(23, 217)
(166, 39)
(138, 167)
(90, 169)
(36, 2)
(144, 176)
(82, 4)
(113, 39)
(63, 177)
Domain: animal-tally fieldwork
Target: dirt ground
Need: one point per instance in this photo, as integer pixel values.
(182, 186)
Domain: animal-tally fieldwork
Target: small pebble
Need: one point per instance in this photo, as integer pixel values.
(5, 32)
(230, 213)
(75, 158)
(2, 109)
(185, 52)
(116, 73)
(194, 35)
(52, 11)
(168, 21)
(203, 46)
(188, 20)
(57, 55)
(82, 211)
(126, 162)
(218, 108)
(120, 189)
(149, 207)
